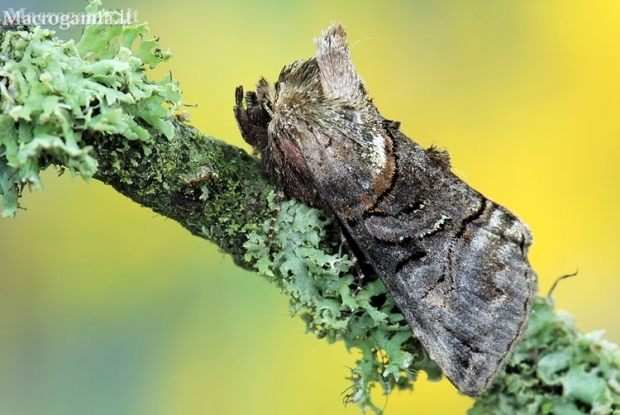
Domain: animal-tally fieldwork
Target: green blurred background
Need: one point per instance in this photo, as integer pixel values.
(108, 308)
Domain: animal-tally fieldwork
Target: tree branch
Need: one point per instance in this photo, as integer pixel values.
(214, 190)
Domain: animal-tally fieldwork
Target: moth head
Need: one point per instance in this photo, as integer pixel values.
(312, 97)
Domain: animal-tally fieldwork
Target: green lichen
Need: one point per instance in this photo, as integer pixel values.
(556, 370)
(321, 290)
(53, 92)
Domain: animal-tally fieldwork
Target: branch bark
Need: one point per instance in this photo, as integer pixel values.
(214, 190)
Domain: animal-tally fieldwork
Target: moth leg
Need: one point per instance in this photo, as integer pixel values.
(358, 269)
(279, 199)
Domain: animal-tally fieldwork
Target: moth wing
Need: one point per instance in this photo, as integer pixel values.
(454, 261)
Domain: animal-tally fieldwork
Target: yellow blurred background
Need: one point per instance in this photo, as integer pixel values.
(108, 308)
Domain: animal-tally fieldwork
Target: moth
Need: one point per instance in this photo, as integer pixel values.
(454, 261)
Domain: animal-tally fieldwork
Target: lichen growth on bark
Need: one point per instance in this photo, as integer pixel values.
(53, 92)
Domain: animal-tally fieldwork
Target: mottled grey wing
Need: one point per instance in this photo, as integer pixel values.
(454, 261)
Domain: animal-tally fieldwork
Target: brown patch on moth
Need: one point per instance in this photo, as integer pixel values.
(347, 213)
(291, 151)
(385, 179)
(367, 200)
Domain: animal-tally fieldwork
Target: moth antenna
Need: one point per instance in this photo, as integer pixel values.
(555, 284)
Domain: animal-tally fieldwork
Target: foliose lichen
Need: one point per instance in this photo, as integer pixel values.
(556, 370)
(322, 292)
(52, 92)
